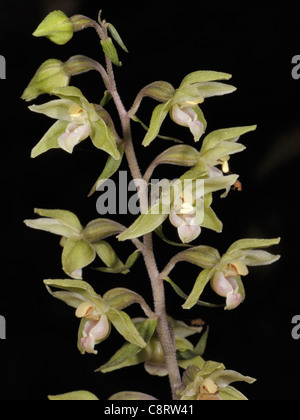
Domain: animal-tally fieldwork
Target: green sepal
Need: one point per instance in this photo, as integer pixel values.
(128, 355)
(145, 223)
(49, 140)
(50, 75)
(57, 27)
(74, 396)
(111, 167)
(211, 221)
(158, 116)
(181, 294)
(124, 325)
(243, 244)
(227, 134)
(120, 267)
(77, 254)
(204, 76)
(201, 281)
(66, 218)
(107, 254)
(76, 291)
(103, 138)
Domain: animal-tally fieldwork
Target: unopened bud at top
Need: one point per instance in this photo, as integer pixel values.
(57, 27)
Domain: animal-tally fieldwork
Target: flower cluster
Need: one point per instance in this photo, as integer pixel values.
(158, 341)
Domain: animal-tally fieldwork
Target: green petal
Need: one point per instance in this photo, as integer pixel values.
(49, 140)
(74, 396)
(131, 354)
(146, 223)
(111, 167)
(125, 327)
(201, 282)
(80, 289)
(210, 89)
(66, 217)
(107, 254)
(103, 138)
(57, 109)
(204, 76)
(158, 117)
(243, 244)
(76, 255)
(226, 134)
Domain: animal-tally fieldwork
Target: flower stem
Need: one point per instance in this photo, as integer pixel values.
(164, 329)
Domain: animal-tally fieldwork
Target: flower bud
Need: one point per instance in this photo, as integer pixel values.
(50, 75)
(57, 27)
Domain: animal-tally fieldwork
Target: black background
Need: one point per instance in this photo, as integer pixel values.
(166, 41)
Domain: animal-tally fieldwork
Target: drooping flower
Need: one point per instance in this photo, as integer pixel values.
(97, 314)
(80, 245)
(96, 327)
(211, 382)
(77, 119)
(225, 275)
(226, 283)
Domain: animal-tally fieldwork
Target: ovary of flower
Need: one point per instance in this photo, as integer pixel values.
(186, 116)
(77, 130)
(225, 284)
(96, 327)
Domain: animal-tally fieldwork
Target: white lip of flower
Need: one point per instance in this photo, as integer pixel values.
(96, 327)
(183, 216)
(187, 117)
(225, 285)
(77, 130)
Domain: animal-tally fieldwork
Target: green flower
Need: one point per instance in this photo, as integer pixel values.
(77, 120)
(183, 105)
(152, 356)
(225, 275)
(80, 245)
(96, 314)
(211, 382)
